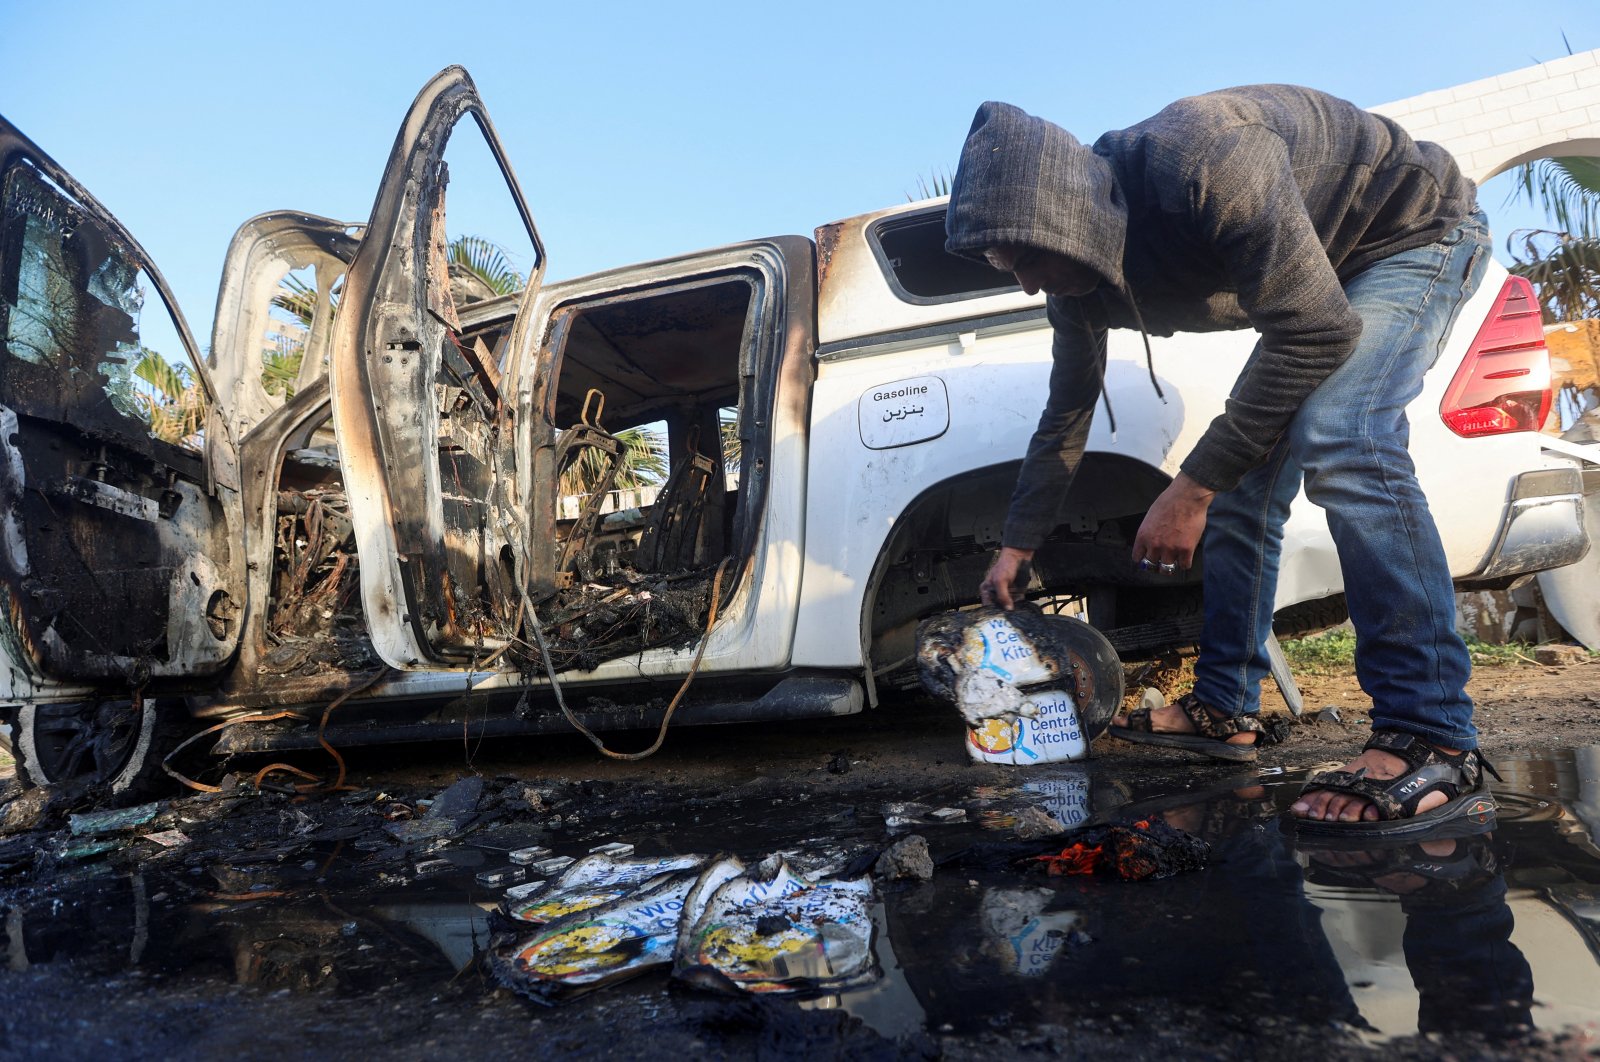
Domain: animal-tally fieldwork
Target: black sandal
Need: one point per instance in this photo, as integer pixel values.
(1211, 732)
(1462, 778)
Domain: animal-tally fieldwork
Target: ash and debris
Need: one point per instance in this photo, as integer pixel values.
(1146, 850)
(618, 614)
(317, 627)
(316, 624)
(254, 893)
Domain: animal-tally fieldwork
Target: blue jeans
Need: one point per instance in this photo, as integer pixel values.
(1348, 442)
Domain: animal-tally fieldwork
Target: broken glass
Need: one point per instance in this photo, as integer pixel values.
(78, 310)
(43, 321)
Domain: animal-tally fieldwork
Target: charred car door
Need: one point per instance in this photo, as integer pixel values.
(119, 560)
(426, 431)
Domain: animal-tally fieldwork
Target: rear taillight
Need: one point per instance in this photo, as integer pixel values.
(1503, 384)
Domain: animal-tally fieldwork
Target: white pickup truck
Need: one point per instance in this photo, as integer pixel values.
(844, 416)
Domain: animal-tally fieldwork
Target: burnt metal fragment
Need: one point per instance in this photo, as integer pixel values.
(589, 623)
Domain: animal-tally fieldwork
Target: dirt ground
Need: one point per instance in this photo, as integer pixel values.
(77, 990)
(1520, 708)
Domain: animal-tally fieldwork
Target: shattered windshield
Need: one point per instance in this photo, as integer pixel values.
(78, 309)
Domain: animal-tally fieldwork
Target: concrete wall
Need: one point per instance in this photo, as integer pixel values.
(1499, 122)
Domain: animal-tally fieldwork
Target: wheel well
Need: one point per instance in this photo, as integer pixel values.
(938, 551)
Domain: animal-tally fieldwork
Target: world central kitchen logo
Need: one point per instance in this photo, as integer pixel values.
(1003, 645)
(1057, 720)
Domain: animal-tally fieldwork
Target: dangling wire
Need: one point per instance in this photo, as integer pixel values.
(316, 784)
(661, 735)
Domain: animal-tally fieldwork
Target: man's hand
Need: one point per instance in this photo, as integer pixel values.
(1009, 567)
(1172, 528)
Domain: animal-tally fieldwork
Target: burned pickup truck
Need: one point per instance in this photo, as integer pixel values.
(383, 538)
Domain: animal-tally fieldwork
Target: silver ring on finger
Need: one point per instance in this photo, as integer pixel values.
(1168, 569)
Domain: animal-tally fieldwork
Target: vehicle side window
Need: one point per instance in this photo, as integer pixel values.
(294, 349)
(659, 371)
(910, 248)
(85, 345)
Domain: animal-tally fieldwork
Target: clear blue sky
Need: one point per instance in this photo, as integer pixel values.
(640, 130)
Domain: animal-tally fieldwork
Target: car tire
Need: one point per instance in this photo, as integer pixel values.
(115, 747)
(1310, 617)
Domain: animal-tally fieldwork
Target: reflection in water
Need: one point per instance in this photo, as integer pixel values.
(1456, 937)
(1524, 917)
(1016, 918)
(1491, 933)
(889, 1007)
(1064, 795)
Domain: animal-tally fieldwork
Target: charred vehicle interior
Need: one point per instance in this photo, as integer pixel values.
(393, 462)
(664, 363)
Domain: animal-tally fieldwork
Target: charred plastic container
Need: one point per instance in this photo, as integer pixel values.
(1032, 688)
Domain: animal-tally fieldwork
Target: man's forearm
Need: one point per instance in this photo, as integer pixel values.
(1047, 474)
(1056, 448)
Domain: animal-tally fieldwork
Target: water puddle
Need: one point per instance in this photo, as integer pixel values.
(1494, 933)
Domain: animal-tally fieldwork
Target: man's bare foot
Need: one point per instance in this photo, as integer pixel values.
(1330, 806)
(1169, 719)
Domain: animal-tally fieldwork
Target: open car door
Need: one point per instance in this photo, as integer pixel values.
(119, 560)
(427, 431)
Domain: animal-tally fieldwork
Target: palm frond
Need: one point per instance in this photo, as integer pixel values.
(296, 297)
(1567, 189)
(732, 445)
(644, 458)
(1564, 269)
(174, 403)
(280, 369)
(644, 463)
(931, 187)
(487, 260)
(169, 380)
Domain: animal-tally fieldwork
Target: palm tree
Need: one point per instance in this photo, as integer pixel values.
(643, 451)
(297, 298)
(1562, 262)
(931, 187)
(478, 258)
(644, 463)
(487, 261)
(173, 402)
(280, 366)
(732, 445)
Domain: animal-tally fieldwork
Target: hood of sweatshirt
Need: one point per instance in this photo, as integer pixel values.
(1023, 180)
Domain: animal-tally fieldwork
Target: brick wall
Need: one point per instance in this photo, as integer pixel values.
(1498, 122)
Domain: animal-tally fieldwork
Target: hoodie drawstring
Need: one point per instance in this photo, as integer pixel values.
(1101, 354)
(1097, 340)
(1149, 356)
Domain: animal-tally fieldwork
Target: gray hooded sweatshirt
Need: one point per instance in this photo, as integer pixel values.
(1245, 208)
